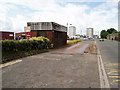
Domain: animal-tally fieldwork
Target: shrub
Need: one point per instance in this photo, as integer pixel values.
(14, 46)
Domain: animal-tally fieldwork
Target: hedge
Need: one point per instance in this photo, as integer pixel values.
(18, 47)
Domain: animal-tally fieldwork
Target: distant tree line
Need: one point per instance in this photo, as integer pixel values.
(104, 33)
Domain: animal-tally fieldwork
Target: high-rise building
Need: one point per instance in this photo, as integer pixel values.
(71, 31)
(89, 32)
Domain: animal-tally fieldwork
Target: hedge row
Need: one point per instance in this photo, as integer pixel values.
(15, 46)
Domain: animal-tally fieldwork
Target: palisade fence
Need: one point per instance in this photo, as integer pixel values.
(13, 49)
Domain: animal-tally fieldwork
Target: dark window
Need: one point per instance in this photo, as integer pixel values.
(29, 24)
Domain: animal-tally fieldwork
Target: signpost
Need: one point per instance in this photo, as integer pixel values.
(27, 34)
(27, 30)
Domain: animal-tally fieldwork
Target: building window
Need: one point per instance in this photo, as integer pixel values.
(28, 24)
(10, 34)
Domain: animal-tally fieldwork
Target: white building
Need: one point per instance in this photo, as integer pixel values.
(71, 31)
(89, 32)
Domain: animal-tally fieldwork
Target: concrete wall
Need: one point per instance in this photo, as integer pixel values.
(40, 25)
(46, 26)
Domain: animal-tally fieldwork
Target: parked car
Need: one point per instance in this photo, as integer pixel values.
(101, 39)
(85, 39)
(92, 39)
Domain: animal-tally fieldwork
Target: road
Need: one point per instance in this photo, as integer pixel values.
(67, 67)
(109, 53)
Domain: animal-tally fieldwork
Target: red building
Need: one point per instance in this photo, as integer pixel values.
(55, 32)
(23, 35)
(6, 35)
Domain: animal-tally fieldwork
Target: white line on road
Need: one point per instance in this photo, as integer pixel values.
(104, 83)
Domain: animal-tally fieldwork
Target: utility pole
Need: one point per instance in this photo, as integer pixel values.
(67, 27)
(81, 31)
(98, 34)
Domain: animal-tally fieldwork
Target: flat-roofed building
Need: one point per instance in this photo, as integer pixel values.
(55, 32)
(6, 35)
(20, 35)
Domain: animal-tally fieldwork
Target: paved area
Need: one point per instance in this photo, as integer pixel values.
(61, 68)
(109, 53)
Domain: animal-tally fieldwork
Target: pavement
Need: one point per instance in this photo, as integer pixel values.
(67, 67)
(109, 54)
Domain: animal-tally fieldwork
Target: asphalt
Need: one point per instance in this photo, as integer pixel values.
(62, 68)
(109, 53)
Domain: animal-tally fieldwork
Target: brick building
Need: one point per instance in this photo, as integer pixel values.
(23, 35)
(6, 35)
(115, 36)
(55, 32)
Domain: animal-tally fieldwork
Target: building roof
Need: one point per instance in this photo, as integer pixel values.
(20, 32)
(46, 26)
(7, 31)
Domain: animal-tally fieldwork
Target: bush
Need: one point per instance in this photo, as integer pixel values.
(10, 47)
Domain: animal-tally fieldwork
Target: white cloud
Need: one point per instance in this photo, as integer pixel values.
(18, 23)
(101, 17)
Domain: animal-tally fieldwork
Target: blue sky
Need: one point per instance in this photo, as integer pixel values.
(80, 13)
(90, 4)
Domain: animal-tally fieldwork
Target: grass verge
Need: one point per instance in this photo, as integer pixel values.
(91, 49)
(71, 42)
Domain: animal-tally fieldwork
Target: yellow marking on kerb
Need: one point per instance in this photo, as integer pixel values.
(10, 63)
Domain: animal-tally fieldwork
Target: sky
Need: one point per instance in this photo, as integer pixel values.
(98, 14)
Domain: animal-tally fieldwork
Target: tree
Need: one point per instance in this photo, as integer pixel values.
(118, 31)
(114, 32)
(111, 30)
(104, 34)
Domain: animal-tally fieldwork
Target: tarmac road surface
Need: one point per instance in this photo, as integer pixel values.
(68, 67)
(109, 53)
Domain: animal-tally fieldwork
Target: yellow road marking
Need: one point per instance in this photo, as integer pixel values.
(116, 80)
(10, 63)
(114, 76)
(112, 64)
(113, 71)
